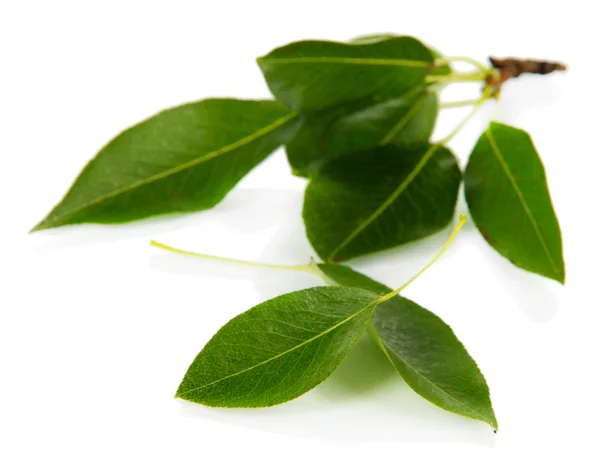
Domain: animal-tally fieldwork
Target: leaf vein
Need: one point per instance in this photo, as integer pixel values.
(521, 197)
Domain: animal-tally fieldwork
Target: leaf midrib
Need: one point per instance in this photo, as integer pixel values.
(348, 60)
(396, 354)
(306, 342)
(386, 349)
(405, 119)
(498, 154)
(164, 174)
(405, 183)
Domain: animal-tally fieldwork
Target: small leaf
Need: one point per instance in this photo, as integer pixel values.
(507, 194)
(181, 160)
(380, 198)
(279, 349)
(423, 349)
(316, 75)
(404, 121)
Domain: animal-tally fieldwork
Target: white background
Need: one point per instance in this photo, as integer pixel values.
(97, 328)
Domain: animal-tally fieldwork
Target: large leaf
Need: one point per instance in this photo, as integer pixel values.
(404, 121)
(507, 194)
(182, 159)
(380, 198)
(423, 349)
(279, 349)
(315, 75)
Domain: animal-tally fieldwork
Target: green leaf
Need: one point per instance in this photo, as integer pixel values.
(316, 75)
(423, 349)
(279, 349)
(444, 69)
(380, 198)
(404, 121)
(368, 38)
(507, 194)
(181, 160)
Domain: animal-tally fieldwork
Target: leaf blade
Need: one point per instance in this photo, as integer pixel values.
(423, 349)
(405, 121)
(310, 76)
(162, 164)
(292, 343)
(505, 166)
(380, 198)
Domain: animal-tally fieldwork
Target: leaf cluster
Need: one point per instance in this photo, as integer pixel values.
(356, 120)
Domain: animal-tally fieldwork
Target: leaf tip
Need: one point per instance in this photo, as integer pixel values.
(39, 227)
(179, 394)
(490, 419)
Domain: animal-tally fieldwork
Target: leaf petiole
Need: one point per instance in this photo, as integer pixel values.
(455, 104)
(456, 77)
(312, 267)
(461, 221)
(304, 268)
(460, 58)
(487, 93)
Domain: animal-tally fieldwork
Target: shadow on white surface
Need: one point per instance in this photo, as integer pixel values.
(528, 95)
(364, 400)
(244, 211)
(533, 294)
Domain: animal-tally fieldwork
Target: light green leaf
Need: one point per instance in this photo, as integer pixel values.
(380, 198)
(279, 349)
(423, 349)
(332, 134)
(315, 75)
(507, 194)
(181, 160)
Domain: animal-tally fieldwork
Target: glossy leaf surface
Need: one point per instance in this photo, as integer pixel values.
(423, 349)
(404, 121)
(369, 38)
(279, 349)
(380, 198)
(180, 160)
(508, 197)
(311, 76)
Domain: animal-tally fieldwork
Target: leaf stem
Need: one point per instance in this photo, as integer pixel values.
(304, 268)
(456, 77)
(461, 222)
(460, 58)
(455, 104)
(487, 92)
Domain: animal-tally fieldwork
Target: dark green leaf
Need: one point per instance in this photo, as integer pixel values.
(279, 349)
(380, 198)
(505, 187)
(316, 75)
(368, 38)
(423, 349)
(404, 121)
(181, 160)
